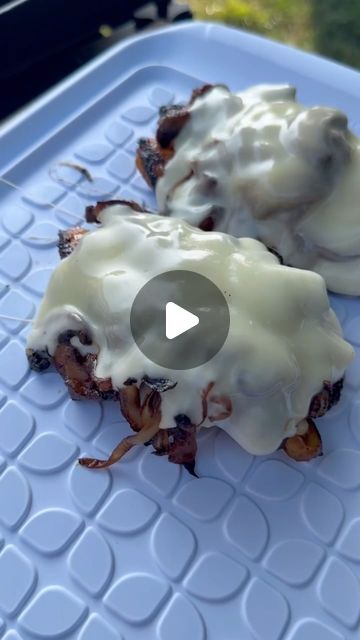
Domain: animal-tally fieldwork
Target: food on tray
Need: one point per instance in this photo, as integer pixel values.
(281, 366)
(259, 164)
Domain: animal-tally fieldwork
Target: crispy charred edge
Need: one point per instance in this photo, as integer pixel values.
(201, 91)
(178, 443)
(92, 212)
(39, 360)
(153, 153)
(69, 240)
(328, 397)
(78, 371)
(151, 159)
(171, 121)
(142, 409)
(173, 117)
(141, 406)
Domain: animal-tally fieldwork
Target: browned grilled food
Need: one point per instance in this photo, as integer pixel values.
(151, 159)
(140, 400)
(153, 153)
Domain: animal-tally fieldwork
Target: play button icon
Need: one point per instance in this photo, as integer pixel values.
(179, 319)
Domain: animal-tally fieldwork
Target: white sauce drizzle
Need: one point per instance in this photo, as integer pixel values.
(265, 166)
(284, 340)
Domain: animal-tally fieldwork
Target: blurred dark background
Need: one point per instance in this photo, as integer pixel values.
(42, 41)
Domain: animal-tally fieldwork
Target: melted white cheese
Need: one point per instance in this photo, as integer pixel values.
(283, 342)
(263, 165)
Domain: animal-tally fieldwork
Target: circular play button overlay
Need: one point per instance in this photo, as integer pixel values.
(179, 319)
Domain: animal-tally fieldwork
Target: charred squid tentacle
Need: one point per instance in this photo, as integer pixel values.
(121, 449)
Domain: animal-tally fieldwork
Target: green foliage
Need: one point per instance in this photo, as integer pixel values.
(331, 27)
(337, 29)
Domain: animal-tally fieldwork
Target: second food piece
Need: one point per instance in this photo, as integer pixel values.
(260, 164)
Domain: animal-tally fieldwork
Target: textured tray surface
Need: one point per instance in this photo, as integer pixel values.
(256, 548)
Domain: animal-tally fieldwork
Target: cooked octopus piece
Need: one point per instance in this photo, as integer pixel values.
(151, 160)
(280, 367)
(258, 163)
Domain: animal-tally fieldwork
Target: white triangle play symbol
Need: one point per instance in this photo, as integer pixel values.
(178, 320)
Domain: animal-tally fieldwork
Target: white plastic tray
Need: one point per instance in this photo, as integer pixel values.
(256, 548)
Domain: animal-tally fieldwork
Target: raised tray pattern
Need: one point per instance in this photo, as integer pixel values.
(255, 548)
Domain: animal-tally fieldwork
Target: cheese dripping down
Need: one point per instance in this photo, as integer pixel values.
(283, 342)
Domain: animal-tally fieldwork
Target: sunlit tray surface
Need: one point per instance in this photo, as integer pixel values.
(256, 548)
